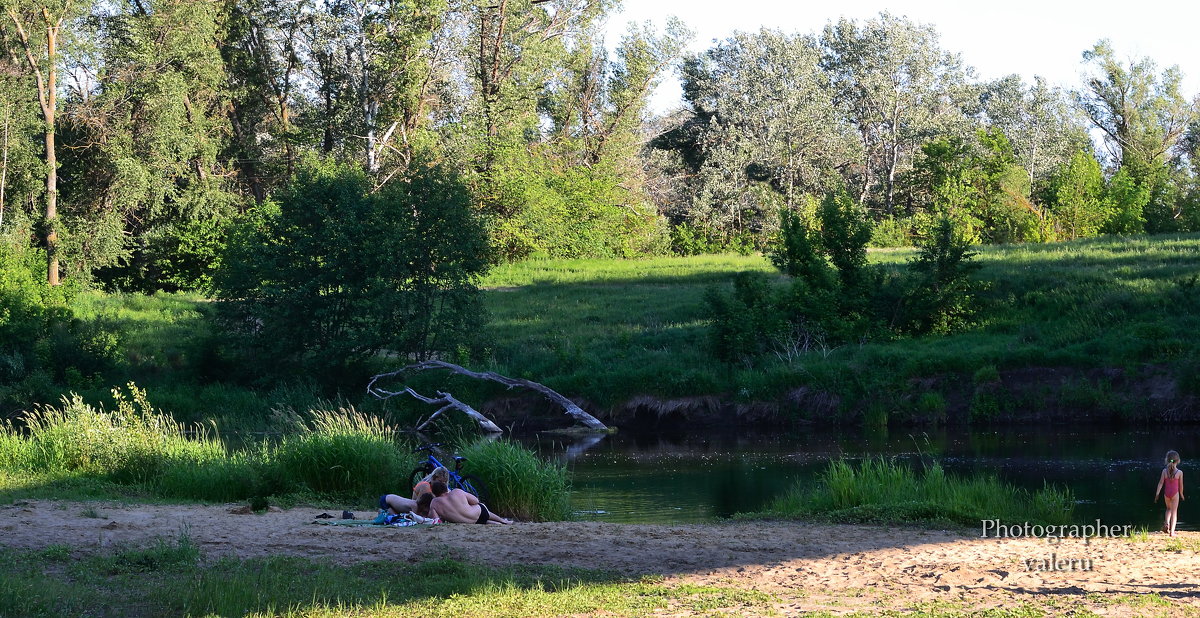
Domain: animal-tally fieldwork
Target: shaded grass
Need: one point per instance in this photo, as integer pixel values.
(878, 491)
(523, 486)
(170, 578)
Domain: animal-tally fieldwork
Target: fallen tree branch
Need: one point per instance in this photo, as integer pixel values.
(449, 401)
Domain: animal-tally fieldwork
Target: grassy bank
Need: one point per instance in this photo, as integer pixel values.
(172, 578)
(877, 491)
(1077, 310)
(340, 456)
(1090, 327)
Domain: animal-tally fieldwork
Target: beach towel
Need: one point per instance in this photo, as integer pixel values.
(384, 518)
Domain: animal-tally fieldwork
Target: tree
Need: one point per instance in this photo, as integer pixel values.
(335, 273)
(146, 134)
(898, 88)
(1143, 117)
(1040, 121)
(1141, 113)
(35, 28)
(1080, 204)
(761, 135)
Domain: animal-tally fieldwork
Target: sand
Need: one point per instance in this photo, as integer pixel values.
(805, 566)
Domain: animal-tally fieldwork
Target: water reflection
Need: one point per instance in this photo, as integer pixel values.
(672, 477)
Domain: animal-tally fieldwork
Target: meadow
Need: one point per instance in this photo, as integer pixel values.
(1075, 328)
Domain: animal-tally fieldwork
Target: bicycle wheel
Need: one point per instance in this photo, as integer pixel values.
(473, 485)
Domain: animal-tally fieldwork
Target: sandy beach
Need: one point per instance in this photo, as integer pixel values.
(805, 566)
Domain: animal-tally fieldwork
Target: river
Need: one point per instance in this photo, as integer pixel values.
(674, 478)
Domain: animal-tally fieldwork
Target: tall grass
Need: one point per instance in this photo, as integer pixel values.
(520, 484)
(132, 444)
(340, 454)
(883, 491)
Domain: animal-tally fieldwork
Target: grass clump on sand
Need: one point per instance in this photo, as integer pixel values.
(171, 578)
(521, 484)
(342, 453)
(878, 491)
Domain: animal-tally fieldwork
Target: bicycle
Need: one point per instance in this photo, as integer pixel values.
(466, 482)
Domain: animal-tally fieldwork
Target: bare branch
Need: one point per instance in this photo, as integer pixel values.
(568, 406)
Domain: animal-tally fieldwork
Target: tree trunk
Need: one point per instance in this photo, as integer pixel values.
(48, 114)
(4, 163)
(568, 406)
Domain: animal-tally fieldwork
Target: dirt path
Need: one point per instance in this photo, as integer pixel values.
(807, 566)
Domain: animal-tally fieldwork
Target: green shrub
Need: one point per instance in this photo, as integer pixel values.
(338, 271)
(520, 484)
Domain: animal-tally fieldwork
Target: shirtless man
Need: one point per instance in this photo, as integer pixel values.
(460, 507)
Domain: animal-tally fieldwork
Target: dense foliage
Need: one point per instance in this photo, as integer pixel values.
(337, 272)
(834, 296)
(134, 133)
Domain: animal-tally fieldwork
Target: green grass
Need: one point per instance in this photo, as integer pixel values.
(878, 491)
(606, 331)
(172, 578)
(331, 455)
(521, 485)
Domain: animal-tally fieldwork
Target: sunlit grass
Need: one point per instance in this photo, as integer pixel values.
(169, 578)
(607, 331)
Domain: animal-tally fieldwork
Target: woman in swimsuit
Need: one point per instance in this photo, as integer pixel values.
(1170, 483)
(439, 474)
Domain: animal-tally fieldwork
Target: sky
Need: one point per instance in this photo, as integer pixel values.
(1045, 38)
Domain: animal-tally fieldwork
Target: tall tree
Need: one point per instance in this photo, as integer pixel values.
(147, 137)
(762, 133)
(35, 28)
(1143, 117)
(1140, 112)
(1040, 120)
(899, 88)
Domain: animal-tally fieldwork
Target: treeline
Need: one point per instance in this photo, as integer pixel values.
(137, 132)
(880, 109)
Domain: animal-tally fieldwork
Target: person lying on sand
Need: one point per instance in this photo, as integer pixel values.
(397, 504)
(460, 507)
(439, 474)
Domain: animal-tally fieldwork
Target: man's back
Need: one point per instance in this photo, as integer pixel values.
(457, 506)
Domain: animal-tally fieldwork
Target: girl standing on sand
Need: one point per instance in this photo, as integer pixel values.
(1170, 483)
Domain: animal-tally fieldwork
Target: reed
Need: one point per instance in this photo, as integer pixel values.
(889, 492)
(340, 453)
(521, 485)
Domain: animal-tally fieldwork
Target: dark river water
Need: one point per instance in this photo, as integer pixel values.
(664, 478)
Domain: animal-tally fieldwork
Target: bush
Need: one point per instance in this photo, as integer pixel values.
(338, 272)
(520, 485)
(941, 297)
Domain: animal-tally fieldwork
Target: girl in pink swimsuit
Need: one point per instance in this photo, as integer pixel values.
(1170, 483)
